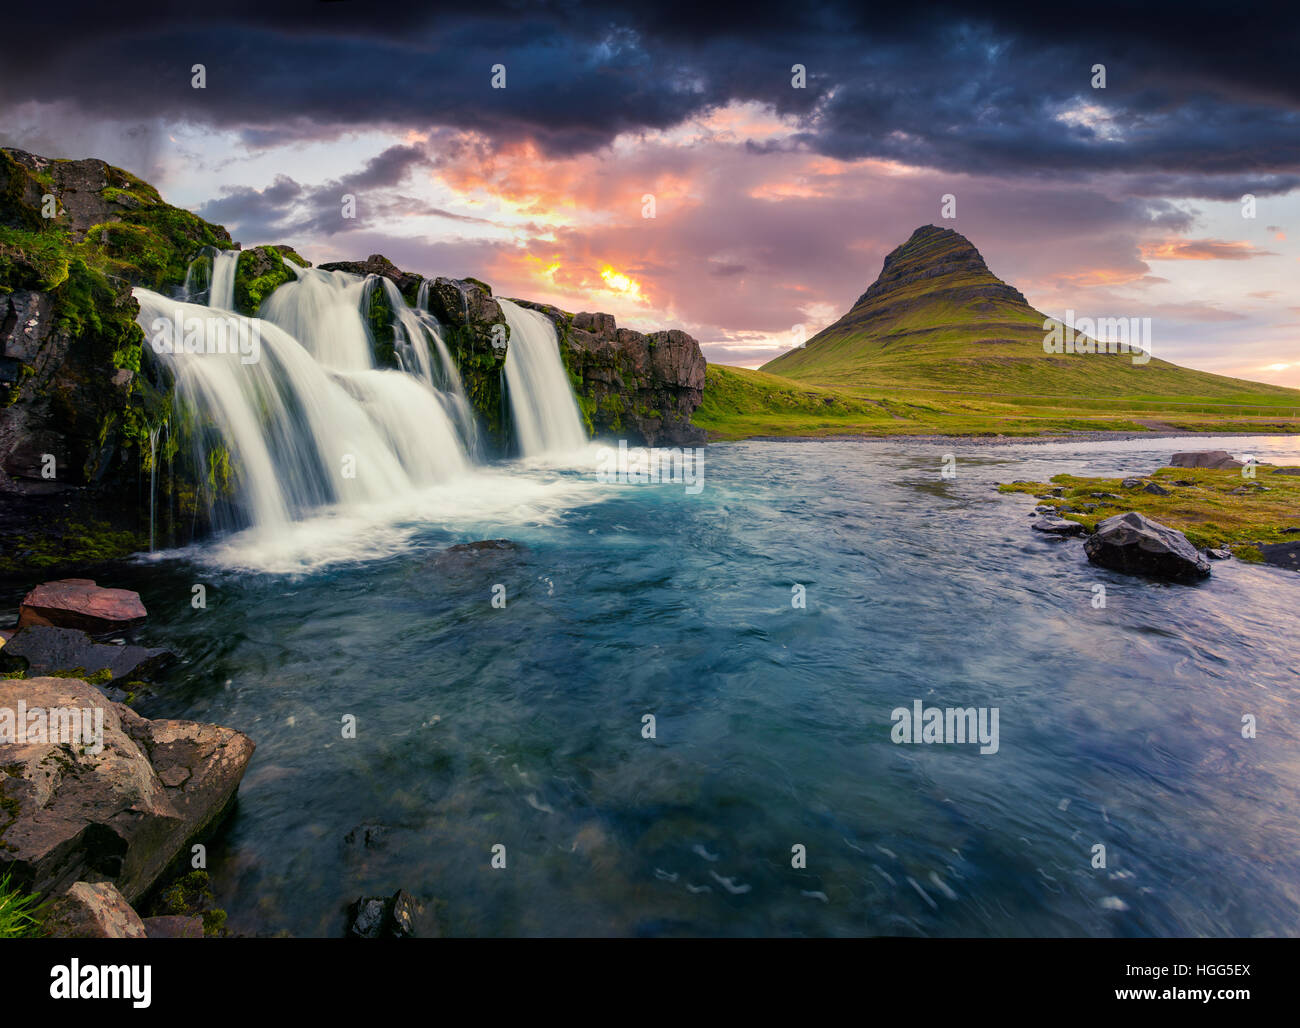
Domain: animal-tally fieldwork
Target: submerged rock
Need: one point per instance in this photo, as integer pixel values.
(1213, 459)
(47, 649)
(470, 556)
(1136, 545)
(122, 813)
(80, 603)
(93, 911)
(1282, 555)
(400, 916)
(1058, 526)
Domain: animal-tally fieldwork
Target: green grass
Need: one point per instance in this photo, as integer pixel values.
(1208, 510)
(19, 912)
(740, 403)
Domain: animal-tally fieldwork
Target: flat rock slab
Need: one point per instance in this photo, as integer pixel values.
(120, 813)
(1282, 555)
(48, 650)
(80, 603)
(1138, 546)
(1213, 459)
(93, 911)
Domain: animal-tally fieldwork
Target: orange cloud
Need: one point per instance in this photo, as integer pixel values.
(1202, 250)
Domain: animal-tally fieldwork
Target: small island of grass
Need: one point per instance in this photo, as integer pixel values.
(1213, 508)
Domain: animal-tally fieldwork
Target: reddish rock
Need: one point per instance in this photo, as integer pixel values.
(121, 808)
(80, 603)
(93, 911)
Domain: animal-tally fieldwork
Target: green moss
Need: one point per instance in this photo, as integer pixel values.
(64, 542)
(190, 895)
(214, 923)
(380, 320)
(220, 475)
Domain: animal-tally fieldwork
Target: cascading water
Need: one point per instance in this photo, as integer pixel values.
(299, 419)
(296, 400)
(419, 323)
(545, 413)
(222, 294)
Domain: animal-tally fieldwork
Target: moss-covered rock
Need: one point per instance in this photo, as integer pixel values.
(473, 327)
(71, 382)
(261, 271)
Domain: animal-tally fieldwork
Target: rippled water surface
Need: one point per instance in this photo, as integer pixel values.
(522, 726)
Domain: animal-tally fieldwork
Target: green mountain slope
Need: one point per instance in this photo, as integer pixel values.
(938, 319)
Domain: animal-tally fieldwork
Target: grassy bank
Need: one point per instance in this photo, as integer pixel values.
(739, 403)
(1211, 508)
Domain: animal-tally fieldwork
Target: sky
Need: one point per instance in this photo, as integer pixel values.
(783, 150)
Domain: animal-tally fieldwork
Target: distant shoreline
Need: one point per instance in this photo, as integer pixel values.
(1009, 440)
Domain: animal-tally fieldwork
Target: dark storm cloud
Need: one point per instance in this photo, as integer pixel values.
(952, 86)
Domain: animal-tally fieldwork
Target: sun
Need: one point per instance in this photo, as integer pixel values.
(622, 284)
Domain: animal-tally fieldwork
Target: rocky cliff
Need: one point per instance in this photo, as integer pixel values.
(77, 405)
(631, 385)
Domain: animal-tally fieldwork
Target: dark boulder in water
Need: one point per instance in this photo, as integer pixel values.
(49, 650)
(400, 916)
(1138, 546)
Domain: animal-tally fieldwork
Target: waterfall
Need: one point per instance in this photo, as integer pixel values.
(296, 402)
(222, 294)
(302, 415)
(545, 413)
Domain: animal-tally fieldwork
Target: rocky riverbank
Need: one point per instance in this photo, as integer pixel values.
(98, 805)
